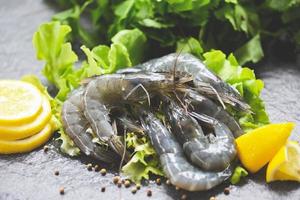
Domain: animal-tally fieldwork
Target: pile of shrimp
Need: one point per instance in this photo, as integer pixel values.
(195, 141)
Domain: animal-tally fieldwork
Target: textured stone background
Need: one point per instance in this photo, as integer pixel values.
(31, 176)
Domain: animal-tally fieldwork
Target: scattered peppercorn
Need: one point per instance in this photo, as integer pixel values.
(168, 182)
(46, 148)
(97, 168)
(119, 183)
(138, 186)
(56, 173)
(183, 197)
(123, 181)
(134, 190)
(226, 191)
(103, 171)
(62, 190)
(103, 189)
(158, 181)
(127, 183)
(149, 193)
(116, 179)
(89, 167)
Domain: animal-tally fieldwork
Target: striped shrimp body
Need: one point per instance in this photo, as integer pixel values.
(103, 92)
(76, 125)
(175, 166)
(204, 105)
(209, 154)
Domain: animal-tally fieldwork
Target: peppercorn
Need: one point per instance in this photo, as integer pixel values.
(56, 173)
(116, 179)
(97, 168)
(89, 167)
(127, 183)
(158, 181)
(119, 183)
(46, 148)
(62, 190)
(103, 189)
(138, 186)
(226, 191)
(134, 190)
(103, 171)
(149, 193)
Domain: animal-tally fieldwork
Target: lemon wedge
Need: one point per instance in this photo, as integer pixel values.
(286, 164)
(27, 129)
(19, 102)
(27, 144)
(257, 147)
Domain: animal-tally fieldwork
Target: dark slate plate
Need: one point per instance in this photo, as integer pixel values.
(31, 176)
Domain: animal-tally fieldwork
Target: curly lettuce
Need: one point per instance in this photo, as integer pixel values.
(144, 160)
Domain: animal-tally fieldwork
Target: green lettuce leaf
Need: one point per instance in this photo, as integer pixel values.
(144, 160)
(244, 80)
(190, 45)
(238, 173)
(251, 51)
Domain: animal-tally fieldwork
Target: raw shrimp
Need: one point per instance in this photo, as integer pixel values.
(105, 91)
(76, 125)
(175, 166)
(208, 155)
(202, 104)
(204, 80)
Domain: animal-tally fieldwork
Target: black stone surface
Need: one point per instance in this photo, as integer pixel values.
(31, 176)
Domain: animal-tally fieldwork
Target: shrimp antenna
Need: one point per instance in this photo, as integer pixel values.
(175, 65)
(215, 92)
(135, 88)
(124, 152)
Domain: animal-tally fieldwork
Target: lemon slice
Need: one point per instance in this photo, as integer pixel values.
(19, 102)
(286, 164)
(27, 144)
(257, 147)
(27, 129)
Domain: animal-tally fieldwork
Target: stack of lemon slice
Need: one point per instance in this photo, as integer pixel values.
(25, 116)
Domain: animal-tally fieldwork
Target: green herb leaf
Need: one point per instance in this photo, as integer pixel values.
(238, 173)
(144, 160)
(251, 51)
(190, 45)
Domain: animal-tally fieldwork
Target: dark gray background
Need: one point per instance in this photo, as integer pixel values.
(31, 176)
